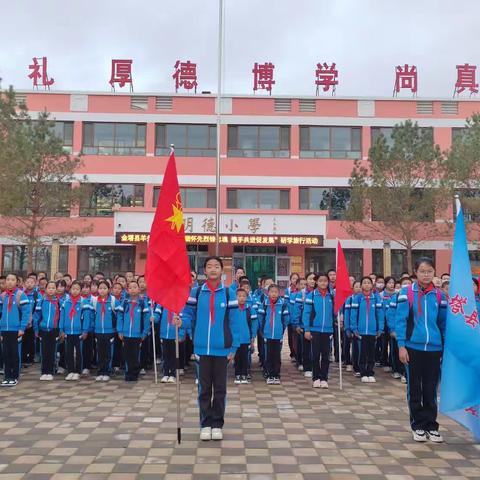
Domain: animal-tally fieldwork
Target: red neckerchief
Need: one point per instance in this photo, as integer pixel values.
(293, 289)
(133, 304)
(54, 302)
(422, 292)
(323, 292)
(42, 292)
(241, 308)
(10, 294)
(103, 302)
(73, 309)
(118, 297)
(212, 289)
(272, 312)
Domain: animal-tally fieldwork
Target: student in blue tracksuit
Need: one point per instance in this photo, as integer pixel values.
(366, 321)
(239, 273)
(304, 346)
(75, 320)
(246, 326)
(105, 308)
(386, 289)
(166, 323)
(398, 370)
(15, 311)
(476, 291)
(420, 328)
(46, 322)
(318, 319)
(290, 291)
(273, 319)
(28, 340)
(260, 295)
(208, 310)
(350, 339)
(133, 324)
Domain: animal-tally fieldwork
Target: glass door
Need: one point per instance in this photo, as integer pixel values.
(258, 265)
(283, 271)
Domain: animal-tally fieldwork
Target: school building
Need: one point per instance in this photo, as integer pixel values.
(285, 166)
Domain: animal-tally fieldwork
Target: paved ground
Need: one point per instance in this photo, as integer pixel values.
(122, 431)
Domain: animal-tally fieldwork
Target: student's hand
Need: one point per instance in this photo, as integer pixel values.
(152, 319)
(348, 333)
(37, 335)
(252, 345)
(230, 356)
(20, 333)
(177, 321)
(84, 336)
(120, 336)
(403, 355)
(357, 334)
(308, 335)
(62, 335)
(299, 330)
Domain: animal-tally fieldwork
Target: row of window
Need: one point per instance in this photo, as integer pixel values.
(243, 140)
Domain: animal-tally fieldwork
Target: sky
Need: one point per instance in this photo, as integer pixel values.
(365, 38)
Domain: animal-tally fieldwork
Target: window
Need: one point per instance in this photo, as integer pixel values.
(258, 199)
(388, 131)
(114, 138)
(256, 141)
(64, 131)
(15, 259)
(189, 140)
(109, 260)
(333, 199)
(470, 205)
(192, 197)
(103, 196)
(330, 142)
(457, 134)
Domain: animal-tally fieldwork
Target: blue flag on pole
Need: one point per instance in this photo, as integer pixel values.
(460, 387)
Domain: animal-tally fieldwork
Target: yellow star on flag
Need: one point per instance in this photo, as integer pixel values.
(176, 219)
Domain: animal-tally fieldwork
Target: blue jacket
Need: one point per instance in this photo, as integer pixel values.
(421, 326)
(386, 299)
(81, 319)
(347, 314)
(391, 313)
(47, 313)
(211, 336)
(164, 321)
(33, 295)
(18, 316)
(364, 320)
(106, 323)
(272, 321)
(318, 313)
(133, 321)
(233, 290)
(245, 321)
(289, 297)
(298, 307)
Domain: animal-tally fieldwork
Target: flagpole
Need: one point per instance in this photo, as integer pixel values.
(219, 113)
(177, 372)
(152, 321)
(339, 333)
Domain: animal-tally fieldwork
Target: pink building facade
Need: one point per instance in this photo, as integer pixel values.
(285, 166)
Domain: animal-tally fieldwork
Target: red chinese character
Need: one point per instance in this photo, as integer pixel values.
(405, 77)
(121, 73)
(456, 304)
(326, 77)
(185, 75)
(466, 79)
(263, 77)
(472, 411)
(36, 75)
(472, 320)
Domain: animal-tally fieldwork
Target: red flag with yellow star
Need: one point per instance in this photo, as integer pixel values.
(168, 270)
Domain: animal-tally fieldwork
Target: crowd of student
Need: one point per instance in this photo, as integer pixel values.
(73, 327)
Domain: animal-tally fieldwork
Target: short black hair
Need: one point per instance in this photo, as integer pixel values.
(242, 278)
(321, 274)
(273, 285)
(426, 260)
(387, 279)
(331, 270)
(245, 281)
(76, 282)
(61, 283)
(32, 274)
(239, 268)
(14, 274)
(475, 281)
(240, 290)
(213, 257)
(99, 273)
(67, 275)
(366, 277)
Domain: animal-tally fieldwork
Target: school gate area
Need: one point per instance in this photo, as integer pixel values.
(67, 430)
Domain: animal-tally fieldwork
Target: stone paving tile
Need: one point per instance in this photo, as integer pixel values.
(116, 431)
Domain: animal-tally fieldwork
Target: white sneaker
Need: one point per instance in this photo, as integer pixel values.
(69, 377)
(403, 379)
(357, 374)
(181, 371)
(217, 434)
(99, 378)
(386, 369)
(237, 380)
(323, 384)
(60, 370)
(164, 379)
(158, 361)
(434, 436)
(143, 371)
(349, 368)
(316, 384)
(276, 381)
(396, 375)
(270, 381)
(49, 377)
(105, 378)
(206, 433)
(372, 380)
(196, 381)
(76, 376)
(43, 377)
(308, 374)
(85, 371)
(172, 380)
(300, 368)
(365, 380)
(420, 435)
